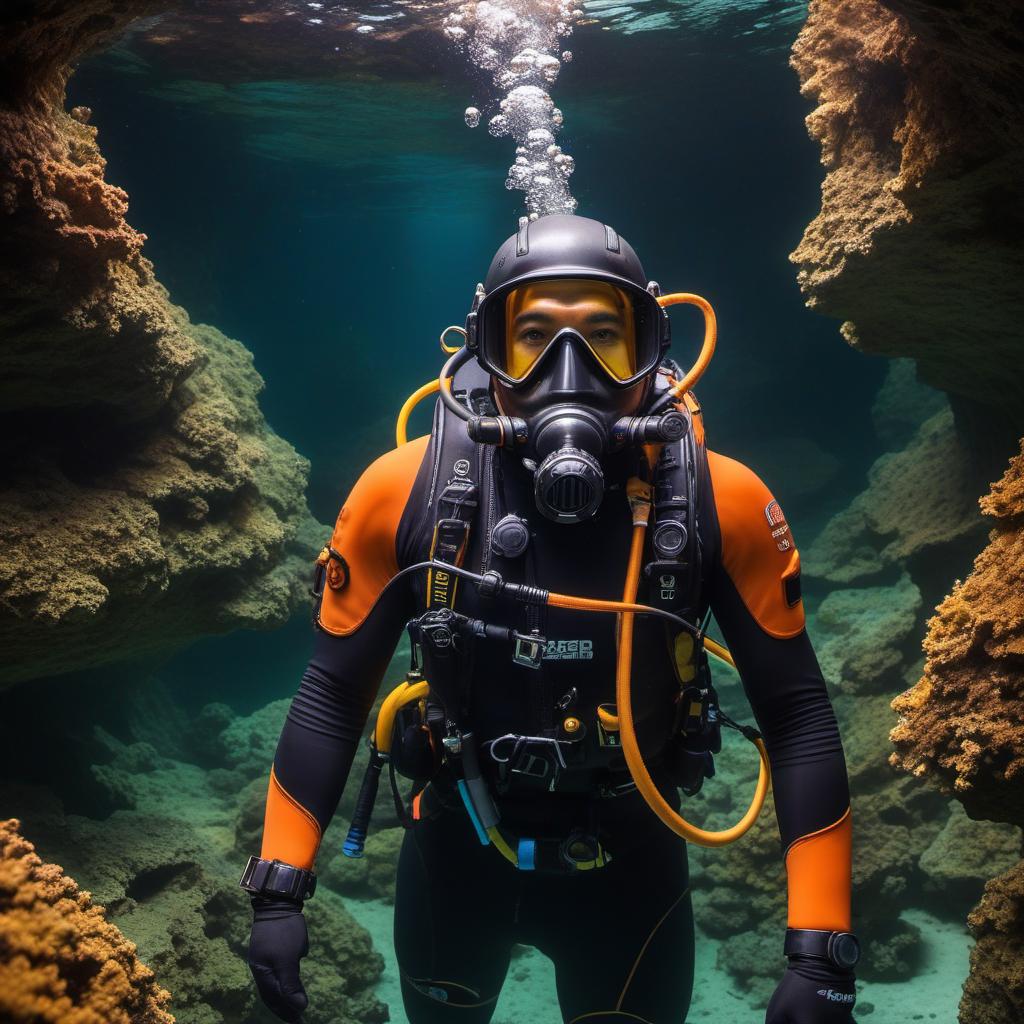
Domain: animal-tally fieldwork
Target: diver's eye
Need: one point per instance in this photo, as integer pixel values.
(533, 336)
(604, 335)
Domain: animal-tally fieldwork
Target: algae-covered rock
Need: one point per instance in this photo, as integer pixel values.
(994, 992)
(863, 635)
(145, 501)
(965, 854)
(902, 404)
(962, 723)
(371, 876)
(61, 960)
(916, 110)
(918, 501)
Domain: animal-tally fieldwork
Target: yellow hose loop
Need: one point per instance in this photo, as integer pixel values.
(452, 349)
(634, 759)
(710, 338)
(404, 693)
(402, 426)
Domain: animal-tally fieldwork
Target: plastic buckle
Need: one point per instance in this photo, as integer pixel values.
(529, 650)
(276, 878)
(451, 538)
(459, 493)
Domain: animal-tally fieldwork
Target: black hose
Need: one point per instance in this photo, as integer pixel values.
(448, 371)
(357, 831)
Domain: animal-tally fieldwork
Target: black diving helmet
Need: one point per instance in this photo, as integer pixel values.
(572, 336)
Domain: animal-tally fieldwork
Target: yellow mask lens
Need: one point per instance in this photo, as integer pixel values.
(600, 312)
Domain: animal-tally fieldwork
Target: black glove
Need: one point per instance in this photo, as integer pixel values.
(277, 943)
(812, 991)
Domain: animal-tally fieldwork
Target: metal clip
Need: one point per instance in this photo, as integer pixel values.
(529, 650)
(519, 742)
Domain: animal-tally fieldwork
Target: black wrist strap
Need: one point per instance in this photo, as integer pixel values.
(275, 878)
(841, 949)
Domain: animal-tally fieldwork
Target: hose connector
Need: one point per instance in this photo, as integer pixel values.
(635, 430)
(501, 431)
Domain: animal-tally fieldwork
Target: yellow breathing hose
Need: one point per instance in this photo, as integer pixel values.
(679, 387)
(404, 693)
(402, 426)
(623, 721)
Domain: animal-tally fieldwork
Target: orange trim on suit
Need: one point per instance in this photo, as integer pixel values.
(818, 869)
(290, 832)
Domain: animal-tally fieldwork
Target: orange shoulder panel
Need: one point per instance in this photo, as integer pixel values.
(290, 832)
(818, 872)
(364, 535)
(758, 551)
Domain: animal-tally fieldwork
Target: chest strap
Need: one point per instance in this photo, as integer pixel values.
(457, 505)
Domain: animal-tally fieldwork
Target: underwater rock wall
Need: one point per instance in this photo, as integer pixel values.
(61, 961)
(917, 244)
(145, 501)
(918, 248)
(962, 725)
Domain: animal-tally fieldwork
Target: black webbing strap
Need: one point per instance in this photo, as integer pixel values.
(457, 505)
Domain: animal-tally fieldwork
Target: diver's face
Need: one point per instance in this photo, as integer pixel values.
(600, 312)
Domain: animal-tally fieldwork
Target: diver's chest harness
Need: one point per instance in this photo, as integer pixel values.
(567, 742)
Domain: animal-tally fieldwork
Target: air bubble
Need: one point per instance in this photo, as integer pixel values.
(472, 117)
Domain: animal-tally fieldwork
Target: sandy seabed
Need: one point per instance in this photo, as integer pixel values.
(529, 993)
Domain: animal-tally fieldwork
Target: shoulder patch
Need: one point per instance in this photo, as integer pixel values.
(337, 572)
(778, 525)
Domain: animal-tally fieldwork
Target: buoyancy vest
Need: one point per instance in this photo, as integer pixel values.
(470, 488)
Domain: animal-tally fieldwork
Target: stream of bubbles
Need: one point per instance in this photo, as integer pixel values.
(519, 44)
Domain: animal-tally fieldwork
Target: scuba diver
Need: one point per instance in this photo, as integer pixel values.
(560, 533)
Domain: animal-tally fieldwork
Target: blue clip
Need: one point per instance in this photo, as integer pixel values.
(526, 854)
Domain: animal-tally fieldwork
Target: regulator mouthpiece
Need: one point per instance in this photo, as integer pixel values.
(568, 485)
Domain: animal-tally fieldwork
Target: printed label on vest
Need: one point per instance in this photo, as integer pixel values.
(569, 650)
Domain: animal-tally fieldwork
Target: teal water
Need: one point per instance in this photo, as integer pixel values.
(331, 210)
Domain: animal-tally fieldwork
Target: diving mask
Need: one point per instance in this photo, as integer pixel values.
(619, 323)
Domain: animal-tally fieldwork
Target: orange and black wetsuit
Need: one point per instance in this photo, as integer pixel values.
(620, 936)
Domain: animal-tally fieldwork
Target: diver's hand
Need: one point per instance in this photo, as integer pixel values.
(812, 992)
(277, 943)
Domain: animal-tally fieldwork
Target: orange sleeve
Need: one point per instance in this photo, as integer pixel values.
(758, 551)
(364, 538)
